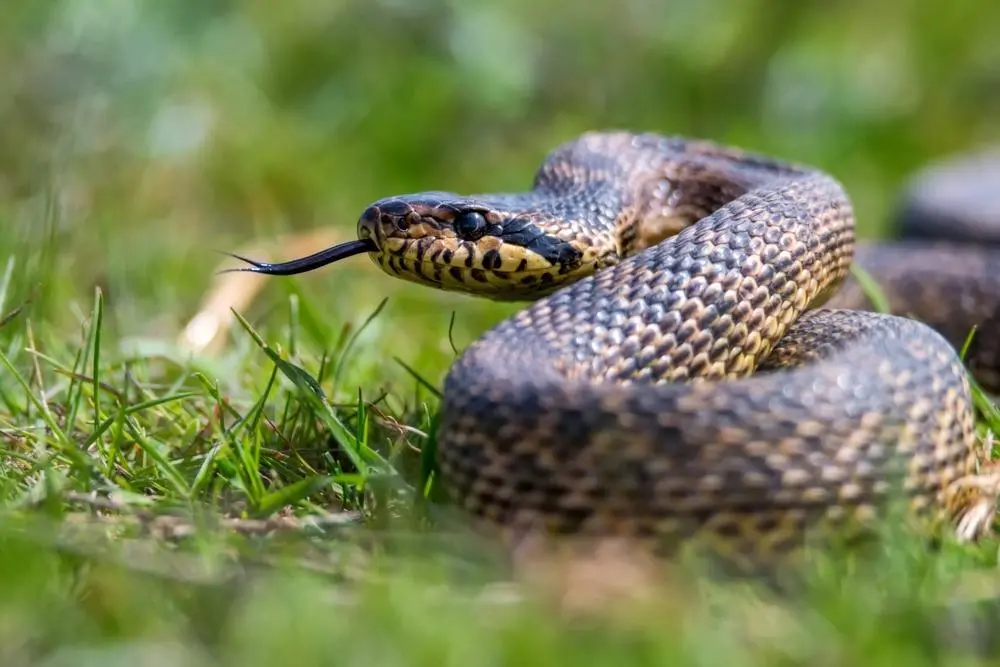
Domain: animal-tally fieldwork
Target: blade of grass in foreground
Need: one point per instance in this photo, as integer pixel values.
(367, 461)
(339, 367)
(62, 442)
(988, 410)
(248, 470)
(290, 495)
(871, 289)
(97, 318)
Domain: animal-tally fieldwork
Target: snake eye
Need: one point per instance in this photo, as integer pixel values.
(470, 225)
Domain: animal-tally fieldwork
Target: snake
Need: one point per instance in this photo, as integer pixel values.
(696, 360)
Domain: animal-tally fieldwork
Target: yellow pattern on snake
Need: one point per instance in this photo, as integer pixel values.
(682, 371)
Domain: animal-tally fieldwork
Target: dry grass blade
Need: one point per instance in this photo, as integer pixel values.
(206, 331)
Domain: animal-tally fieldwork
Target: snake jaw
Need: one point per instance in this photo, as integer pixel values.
(489, 268)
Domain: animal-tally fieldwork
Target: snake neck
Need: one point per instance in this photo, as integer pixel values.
(637, 193)
(760, 242)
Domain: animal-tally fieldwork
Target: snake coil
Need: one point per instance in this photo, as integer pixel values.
(696, 361)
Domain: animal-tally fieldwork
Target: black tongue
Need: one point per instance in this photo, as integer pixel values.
(304, 264)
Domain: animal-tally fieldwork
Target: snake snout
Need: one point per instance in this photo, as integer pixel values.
(407, 217)
(376, 225)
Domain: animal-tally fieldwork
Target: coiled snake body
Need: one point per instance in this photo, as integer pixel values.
(683, 370)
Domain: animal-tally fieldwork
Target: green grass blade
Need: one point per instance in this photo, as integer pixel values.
(871, 289)
(419, 378)
(62, 441)
(152, 449)
(366, 460)
(342, 359)
(290, 495)
(97, 320)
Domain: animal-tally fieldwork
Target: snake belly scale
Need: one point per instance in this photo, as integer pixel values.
(680, 372)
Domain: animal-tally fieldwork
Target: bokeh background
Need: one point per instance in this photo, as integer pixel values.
(138, 137)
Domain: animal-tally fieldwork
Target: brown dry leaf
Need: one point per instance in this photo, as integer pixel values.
(205, 332)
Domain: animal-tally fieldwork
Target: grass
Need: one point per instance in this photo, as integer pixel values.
(266, 500)
(155, 509)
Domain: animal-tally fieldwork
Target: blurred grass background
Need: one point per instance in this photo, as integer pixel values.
(140, 136)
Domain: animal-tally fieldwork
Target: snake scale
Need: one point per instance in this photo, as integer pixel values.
(697, 360)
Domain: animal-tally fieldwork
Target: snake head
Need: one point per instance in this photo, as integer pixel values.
(472, 245)
(481, 246)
